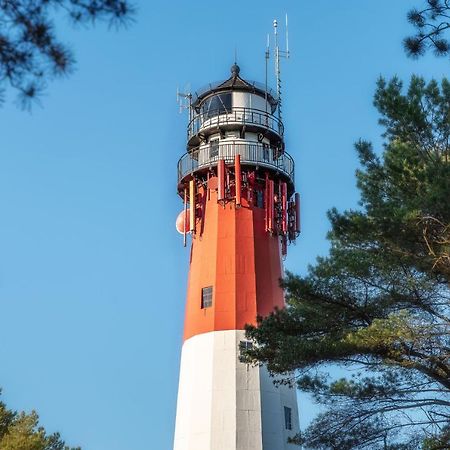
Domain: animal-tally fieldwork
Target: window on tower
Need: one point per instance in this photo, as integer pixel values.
(214, 149)
(288, 418)
(266, 154)
(216, 105)
(245, 345)
(207, 297)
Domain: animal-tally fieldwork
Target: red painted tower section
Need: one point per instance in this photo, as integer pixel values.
(239, 259)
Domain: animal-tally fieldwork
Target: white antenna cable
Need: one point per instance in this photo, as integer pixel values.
(280, 54)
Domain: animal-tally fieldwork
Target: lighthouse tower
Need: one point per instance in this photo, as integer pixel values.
(237, 184)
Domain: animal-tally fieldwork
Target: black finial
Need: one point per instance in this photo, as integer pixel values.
(235, 69)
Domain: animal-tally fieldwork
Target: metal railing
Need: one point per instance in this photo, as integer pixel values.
(251, 153)
(238, 116)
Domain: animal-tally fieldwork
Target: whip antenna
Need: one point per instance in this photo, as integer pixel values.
(267, 56)
(280, 54)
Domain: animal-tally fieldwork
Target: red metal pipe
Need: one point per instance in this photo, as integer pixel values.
(192, 205)
(284, 207)
(297, 213)
(185, 217)
(266, 202)
(238, 178)
(221, 180)
(271, 204)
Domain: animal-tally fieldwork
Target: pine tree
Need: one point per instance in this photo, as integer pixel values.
(21, 431)
(380, 301)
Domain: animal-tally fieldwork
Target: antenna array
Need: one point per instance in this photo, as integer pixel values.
(278, 53)
(184, 101)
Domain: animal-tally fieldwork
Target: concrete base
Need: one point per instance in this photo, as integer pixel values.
(224, 404)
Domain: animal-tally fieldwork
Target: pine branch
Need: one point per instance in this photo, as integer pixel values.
(31, 54)
(431, 23)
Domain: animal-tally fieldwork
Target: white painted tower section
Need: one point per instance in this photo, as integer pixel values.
(224, 404)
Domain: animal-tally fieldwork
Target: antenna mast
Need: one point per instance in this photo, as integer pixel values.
(279, 54)
(267, 55)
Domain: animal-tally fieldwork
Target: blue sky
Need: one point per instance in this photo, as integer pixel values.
(92, 271)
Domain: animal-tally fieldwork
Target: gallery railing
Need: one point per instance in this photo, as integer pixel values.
(255, 154)
(237, 115)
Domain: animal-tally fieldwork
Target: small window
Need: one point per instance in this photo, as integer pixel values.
(288, 418)
(214, 149)
(266, 156)
(245, 345)
(207, 293)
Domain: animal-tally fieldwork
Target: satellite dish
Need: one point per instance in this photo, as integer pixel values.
(182, 222)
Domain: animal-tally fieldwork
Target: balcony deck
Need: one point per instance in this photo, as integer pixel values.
(253, 154)
(253, 119)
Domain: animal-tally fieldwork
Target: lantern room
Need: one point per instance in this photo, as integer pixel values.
(234, 108)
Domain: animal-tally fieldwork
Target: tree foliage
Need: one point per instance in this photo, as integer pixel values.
(431, 22)
(31, 53)
(380, 302)
(21, 431)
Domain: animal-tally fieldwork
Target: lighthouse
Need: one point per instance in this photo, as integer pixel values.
(240, 208)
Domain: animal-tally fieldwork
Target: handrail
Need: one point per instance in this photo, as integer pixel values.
(251, 153)
(237, 115)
